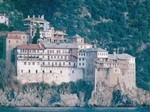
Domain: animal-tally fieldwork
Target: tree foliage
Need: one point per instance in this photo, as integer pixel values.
(7, 73)
(37, 36)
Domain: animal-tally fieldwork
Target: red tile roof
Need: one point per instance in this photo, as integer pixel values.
(30, 46)
(18, 32)
(2, 14)
(13, 37)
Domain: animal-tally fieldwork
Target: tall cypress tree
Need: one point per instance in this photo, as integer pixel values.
(37, 36)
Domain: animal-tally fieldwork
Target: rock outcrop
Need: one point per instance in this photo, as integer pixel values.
(118, 96)
(48, 96)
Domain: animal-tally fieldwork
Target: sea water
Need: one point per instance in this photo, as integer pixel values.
(69, 109)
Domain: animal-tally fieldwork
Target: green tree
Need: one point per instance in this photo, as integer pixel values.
(37, 36)
(3, 27)
(7, 73)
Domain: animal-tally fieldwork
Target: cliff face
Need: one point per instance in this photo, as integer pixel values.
(118, 96)
(49, 96)
(10, 97)
(41, 94)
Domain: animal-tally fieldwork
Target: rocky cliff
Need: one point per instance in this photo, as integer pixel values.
(119, 96)
(45, 95)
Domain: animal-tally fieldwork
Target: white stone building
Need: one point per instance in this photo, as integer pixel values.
(4, 19)
(49, 62)
(53, 36)
(31, 24)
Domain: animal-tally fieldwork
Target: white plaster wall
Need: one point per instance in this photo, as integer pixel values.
(4, 20)
(102, 54)
(46, 34)
(81, 61)
(51, 74)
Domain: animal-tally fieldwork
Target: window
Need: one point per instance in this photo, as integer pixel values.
(72, 71)
(21, 71)
(25, 63)
(52, 64)
(79, 63)
(43, 63)
(50, 71)
(9, 41)
(83, 64)
(17, 41)
(29, 71)
(82, 59)
(43, 71)
(60, 71)
(36, 71)
(69, 63)
(29, 63)
(33, 63)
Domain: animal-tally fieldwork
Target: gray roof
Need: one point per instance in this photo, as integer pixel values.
(124, 56)
(111, 56)
(60, 32)
(120, 56)
(60, 45)
(77, 36)
(95, 50)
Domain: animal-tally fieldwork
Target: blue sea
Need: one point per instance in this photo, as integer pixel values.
(65, 109)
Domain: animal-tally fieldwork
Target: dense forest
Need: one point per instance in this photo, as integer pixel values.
(120, 24)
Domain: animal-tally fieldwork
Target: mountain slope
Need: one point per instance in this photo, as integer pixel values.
(115, 24)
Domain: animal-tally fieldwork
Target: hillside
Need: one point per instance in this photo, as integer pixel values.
(115, 24)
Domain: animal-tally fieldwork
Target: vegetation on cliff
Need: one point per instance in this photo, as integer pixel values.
(41, 94)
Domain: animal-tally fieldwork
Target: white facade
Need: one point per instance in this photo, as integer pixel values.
(49, 63)
(35, 71)
(31, 24)
(4, 19)
(58, 62)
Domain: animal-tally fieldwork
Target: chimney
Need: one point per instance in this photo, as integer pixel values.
(33, 16)
(114, 53)
(28, 16)
(42, 17)
(117, 51)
